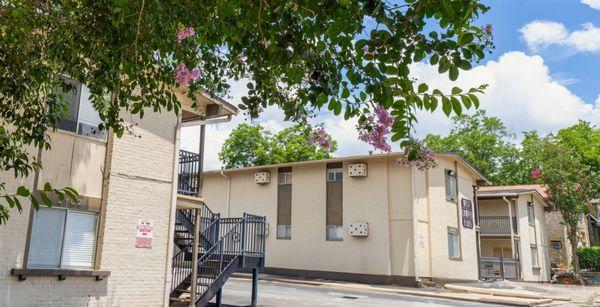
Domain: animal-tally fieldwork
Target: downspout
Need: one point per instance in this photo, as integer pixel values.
(172, 214)
(512, 233)
(414, 224)
(228, 192)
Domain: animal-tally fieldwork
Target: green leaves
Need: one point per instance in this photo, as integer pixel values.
(324, 59)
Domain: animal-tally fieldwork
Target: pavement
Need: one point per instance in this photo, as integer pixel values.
(288, 291)
(236, 292)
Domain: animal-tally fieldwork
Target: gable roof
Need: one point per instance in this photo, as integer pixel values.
(514, 190)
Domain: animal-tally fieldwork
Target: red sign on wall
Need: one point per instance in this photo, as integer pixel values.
(145, 232)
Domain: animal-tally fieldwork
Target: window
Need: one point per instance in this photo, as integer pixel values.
(534, 257)
(556, 244)
(334, 218)
(453, 243)
(81, 118)
(284, 203)
(450, 185)
(62, 238)
(530, 214)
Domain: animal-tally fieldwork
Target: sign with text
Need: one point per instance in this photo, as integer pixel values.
(145, 232)
(467, 213)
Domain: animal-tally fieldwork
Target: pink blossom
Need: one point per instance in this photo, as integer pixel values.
(185, 33)
(320, 138)
(366, 50)
(424, 157)
(184, 76)
(489, 29)
(535, 173)
(375, 129)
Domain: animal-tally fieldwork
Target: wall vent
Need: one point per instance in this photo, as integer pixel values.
(357, 170)
(262, 177)
(360, 229)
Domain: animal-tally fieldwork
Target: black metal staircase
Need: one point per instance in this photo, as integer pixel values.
(225, 245)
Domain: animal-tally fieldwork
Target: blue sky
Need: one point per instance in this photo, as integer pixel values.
(543, 75)
(509, 16)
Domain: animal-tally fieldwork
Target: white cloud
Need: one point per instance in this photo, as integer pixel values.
(522, 93)
(541, 34)
(595, 4)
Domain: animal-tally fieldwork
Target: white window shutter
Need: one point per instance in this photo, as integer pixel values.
(46, 238)
(80, 240)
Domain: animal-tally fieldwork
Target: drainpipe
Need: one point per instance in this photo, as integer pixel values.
(512, 234)
(171, 240)
(414, 224)
(228, 192)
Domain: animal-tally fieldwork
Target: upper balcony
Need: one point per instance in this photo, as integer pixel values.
(497, 225)
(188, 173)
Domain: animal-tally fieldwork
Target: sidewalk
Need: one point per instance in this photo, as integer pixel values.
(502, 293)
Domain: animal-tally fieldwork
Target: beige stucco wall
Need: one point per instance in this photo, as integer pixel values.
(533, 235)
(383, 199)
(445, 213)
(139, 186)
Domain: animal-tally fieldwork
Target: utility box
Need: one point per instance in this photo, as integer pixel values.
(357, 170)
(262, 177)
(360, 229)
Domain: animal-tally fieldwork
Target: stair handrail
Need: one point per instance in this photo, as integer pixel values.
(179, 267)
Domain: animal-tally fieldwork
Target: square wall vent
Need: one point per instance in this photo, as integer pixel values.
(357, 170)
(359, 229)
(262, 177)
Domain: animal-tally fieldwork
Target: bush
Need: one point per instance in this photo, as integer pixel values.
(589, 258)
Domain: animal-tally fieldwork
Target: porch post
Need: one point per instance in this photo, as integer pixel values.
(254, 287)
(512, 233)
(201, 159)
(194, 275)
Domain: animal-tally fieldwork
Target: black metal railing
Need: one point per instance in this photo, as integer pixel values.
(225, 245)
(189, 167)
(184, 239)
(499, 268)
(496, 225)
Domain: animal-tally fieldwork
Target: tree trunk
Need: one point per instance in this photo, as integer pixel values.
(575, 257)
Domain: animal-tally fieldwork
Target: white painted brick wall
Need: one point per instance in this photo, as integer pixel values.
(140, 187)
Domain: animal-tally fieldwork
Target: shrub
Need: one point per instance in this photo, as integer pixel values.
(589, 258)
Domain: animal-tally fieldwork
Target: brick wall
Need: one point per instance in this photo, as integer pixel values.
(139, 186)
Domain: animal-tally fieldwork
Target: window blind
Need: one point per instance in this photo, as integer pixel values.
(80, 240)
(46, 238)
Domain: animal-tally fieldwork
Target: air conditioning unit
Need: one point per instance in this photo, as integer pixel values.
(360, 229)
(357, 170)
(262, 177)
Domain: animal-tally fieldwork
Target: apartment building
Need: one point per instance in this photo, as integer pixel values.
(116, 245)
(514, 236)
(359, 218)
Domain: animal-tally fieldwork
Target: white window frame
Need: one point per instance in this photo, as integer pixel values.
(453, 232)
(450, 175)
(102, 136)
(335, 174)
(61, 264)
(535, 259)
(284, 178)
(530, 214)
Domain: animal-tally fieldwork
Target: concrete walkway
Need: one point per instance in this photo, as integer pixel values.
(561, 295)
(504, 293)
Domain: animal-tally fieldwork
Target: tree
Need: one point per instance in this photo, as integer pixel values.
(484, 142)
(249, 145)
(584, 138)
(571, 184)
(351, 56)
(296, 144)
